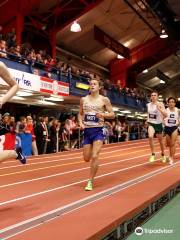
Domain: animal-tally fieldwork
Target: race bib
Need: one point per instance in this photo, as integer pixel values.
(152, 116)
(172, 121)
(91, 118)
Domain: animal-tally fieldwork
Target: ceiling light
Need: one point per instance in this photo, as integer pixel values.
(18, 98)
(163, 34)
(120, 56)
(55, 99)
(143, 114)
(75, 27)
(130, 116)
(120, 114)
(43, 102)
(125, 111)
(115, 109)
(24, 94)
(145, 70)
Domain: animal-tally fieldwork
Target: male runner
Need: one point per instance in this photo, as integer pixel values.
(171, 127)
(156, 112)
(94, 108)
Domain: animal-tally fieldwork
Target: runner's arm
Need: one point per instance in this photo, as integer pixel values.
(80, 114)
(14, 87)
(110, 114)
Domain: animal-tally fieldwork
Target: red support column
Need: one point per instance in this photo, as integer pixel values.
(141, 57)
(19, 27)
(53, 43)
(118, 71)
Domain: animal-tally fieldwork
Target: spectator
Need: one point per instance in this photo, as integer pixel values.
(3, 52)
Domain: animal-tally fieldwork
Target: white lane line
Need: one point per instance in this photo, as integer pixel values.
(69, 158)
(60, 154)
(68, 185)
(87, 201)
(60, 165)
(72, 171)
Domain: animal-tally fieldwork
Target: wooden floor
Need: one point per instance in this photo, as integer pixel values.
(50, 189)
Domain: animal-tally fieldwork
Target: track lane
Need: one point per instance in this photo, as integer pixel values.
(34, 205)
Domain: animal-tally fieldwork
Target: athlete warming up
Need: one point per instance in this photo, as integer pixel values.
(94, 108)
(171, 127)
(17, 153)
(156, 113)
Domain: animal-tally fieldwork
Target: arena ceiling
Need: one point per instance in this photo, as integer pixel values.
(130, 22)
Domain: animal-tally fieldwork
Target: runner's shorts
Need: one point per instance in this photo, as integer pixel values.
(158, 128)
(93, 134)
(169, 130)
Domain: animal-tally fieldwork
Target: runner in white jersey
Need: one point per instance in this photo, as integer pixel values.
(94, 108)
(156, 112)
(171, 127)
(17, 153)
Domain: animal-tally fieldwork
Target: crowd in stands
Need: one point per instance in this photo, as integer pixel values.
(41, 60)
(50, 135)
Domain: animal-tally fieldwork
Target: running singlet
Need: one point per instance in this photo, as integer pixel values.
(90, 108)
(7, 141)
(154, 116)
(172, 118)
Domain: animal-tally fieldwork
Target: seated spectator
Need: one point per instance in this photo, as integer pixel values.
(11, 38)
(3, 52)
(16, 53)
(36, 71)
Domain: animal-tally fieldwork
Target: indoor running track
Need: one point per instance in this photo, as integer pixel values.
(51, 187)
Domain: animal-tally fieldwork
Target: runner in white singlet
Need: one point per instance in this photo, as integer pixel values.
(156, 112)
(171, 127)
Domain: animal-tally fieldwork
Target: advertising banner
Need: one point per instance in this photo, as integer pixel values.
(54, 87)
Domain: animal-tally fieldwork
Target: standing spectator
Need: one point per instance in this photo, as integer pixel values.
(30, 129)
(41, 132)
(53, 136)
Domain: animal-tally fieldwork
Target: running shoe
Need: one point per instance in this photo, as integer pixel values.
(20, 156)
(152, 158)
(89, 186)
(163, 158)
(171, 161)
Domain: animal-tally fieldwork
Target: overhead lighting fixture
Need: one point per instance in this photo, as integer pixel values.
(125, 111)
(115, 109)
(75, 27)
(145, 70)
(43, 102)
(120, 56)
(163, 34)
(162, 81)
(55, 98)
(18, 98)
(23, 94)
(130, 116)
(143, 114)
(120, 114)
